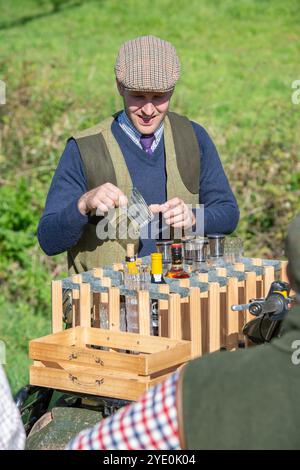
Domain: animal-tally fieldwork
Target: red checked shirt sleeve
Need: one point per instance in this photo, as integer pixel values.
(150, 423)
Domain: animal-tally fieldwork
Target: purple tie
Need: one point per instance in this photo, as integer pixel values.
(146, 142)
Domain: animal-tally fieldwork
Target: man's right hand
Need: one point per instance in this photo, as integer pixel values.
(105, 197)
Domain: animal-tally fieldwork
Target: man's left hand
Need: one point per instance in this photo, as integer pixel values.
(175, 212)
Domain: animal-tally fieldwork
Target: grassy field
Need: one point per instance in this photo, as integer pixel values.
(238, 59)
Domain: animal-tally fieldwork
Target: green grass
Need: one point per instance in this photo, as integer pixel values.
(238, 61)
(18, 325)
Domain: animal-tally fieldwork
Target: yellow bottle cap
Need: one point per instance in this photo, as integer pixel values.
(132, 267)
(156, 263)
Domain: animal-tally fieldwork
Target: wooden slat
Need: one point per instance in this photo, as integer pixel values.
(85, 304)
(232, 329)
(268, 278)
(241, 299)
(163, 311)
(204, 322)
(174, 320)
(100, 359)
(86, 379)
(185, 319)
(77, 279)
(144, 312)
(214, 316)
(203, 277)
(259, 282)
(163, 289)
(131, 341)
(223, 316)
(83, 382)
(98, 273)
(118, 266)
(222, 272)
(184, 282)
(283, 274)
(195, 322)
(65, 337)
(250, 292)
(114, 308)
(163, 360)
(96, 309)
(104, 301)
(57, 307)
(239, 267)
(171, 351)
(106, 282)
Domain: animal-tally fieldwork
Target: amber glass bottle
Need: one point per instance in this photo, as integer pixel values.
(176, 271)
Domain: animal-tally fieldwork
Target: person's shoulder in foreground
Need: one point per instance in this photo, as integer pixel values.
(150, 423)
(12, 433)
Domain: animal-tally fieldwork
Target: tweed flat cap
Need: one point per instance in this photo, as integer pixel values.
(292, 248)
(147, 63)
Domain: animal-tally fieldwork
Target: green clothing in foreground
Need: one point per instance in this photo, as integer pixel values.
(248, 399)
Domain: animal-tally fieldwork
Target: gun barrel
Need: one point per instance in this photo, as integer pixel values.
(240, 307)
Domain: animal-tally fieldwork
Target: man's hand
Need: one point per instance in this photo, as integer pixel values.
(175, 212)
(105, 197)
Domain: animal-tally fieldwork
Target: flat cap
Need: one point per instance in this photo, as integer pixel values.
(147, 63)
(292, 248)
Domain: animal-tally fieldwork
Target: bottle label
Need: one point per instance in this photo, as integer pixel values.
(157, 278)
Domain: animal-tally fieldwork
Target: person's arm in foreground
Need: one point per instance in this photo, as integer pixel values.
(12, 433)
(150, 423)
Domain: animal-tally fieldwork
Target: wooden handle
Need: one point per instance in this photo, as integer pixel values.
(77, 354)
(75, 380)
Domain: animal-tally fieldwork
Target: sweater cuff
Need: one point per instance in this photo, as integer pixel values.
(72, 220)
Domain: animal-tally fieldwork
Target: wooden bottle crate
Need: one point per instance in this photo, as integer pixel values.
(126, 365)
(195, 318)
(197, 310)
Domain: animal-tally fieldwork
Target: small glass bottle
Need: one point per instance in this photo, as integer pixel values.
(157, 268)
(188, 249)
(164, 247)
(200, 255)
(156, 278)
(131, 281)
(216, 249)
(176, 271)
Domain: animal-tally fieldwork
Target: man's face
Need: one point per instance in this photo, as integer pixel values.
(146, 110)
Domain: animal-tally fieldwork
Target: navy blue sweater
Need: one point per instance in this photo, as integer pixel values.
(61, 224)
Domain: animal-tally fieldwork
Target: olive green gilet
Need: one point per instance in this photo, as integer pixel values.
(246, 399)
(104, 162)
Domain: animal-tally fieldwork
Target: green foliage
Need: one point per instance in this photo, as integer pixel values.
(239, 60)
(18, 325)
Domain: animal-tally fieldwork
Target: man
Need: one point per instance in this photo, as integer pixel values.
(247, 399)
(170, 160)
